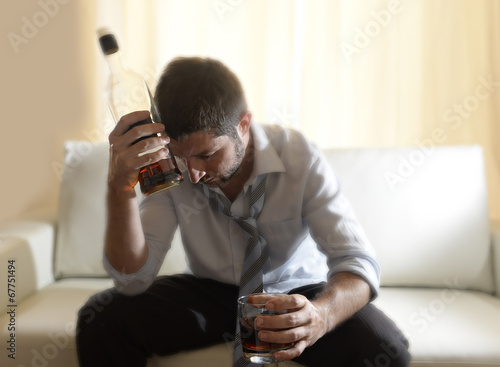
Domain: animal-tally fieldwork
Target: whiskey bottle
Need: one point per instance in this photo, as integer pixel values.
(127, 92)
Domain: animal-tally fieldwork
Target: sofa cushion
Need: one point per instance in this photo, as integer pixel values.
(27, 247)
(82, 215)
(47, 325)
(446, 327)
(219, 355)
(425, 209)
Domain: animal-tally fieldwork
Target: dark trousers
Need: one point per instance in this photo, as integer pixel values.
(182, 312)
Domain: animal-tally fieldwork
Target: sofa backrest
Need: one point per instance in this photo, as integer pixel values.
(425, 210)
(425, 213)
(82, 215)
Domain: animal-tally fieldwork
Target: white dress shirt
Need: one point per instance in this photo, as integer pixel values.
(308, 224)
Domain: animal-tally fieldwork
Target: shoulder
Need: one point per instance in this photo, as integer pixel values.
(291, 145)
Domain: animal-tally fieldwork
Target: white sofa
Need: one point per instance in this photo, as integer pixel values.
(424, 208)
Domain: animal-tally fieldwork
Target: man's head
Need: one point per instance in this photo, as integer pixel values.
(199, 94)
(202, 105)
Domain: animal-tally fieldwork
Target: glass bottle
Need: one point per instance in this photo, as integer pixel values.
(127, 92)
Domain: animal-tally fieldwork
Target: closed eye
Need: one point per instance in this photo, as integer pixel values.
(206, 156)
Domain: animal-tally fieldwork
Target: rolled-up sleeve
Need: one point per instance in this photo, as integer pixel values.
(335, 229)
(135, 283)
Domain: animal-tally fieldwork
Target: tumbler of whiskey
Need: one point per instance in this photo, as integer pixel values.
(249, 308)
(127, 92)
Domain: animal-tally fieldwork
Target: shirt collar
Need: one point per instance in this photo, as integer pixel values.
(266, 159)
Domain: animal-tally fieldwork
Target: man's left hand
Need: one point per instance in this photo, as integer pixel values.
(303, 325)
(307, 321)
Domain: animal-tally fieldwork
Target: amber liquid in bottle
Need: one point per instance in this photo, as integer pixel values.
(158, 176)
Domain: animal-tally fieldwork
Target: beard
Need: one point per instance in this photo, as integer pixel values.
(235, 164)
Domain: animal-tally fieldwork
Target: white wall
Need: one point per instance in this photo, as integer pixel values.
(47, 93)
(50, 93)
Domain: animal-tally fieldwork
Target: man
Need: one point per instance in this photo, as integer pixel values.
(315, 249)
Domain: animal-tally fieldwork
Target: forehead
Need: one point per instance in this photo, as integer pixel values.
(198, 143)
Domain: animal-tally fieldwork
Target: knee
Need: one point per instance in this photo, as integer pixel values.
(388, 353)
(97, 309)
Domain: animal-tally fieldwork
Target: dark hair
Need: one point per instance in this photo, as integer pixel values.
(196, 94)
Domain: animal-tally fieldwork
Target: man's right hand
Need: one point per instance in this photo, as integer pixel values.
(125, 161)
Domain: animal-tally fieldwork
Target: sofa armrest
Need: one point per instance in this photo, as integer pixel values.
(495, 243)
(26, 245)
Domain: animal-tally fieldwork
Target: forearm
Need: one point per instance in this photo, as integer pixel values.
(344, 295)
(125, 245)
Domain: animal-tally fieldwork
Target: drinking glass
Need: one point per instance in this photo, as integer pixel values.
(249, 308)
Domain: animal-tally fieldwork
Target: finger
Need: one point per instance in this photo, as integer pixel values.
(145, 145)
(259, 300)
(294, 352)
(283, 321)
(141, 138)
(142, 132)
(124, 123)
(123, 153)
(293, 301)
(283, 336)
(149, 158)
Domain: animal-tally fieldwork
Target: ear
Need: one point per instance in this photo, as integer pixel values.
(245, 122)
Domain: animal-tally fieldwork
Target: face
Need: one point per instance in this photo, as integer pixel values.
(212, 161)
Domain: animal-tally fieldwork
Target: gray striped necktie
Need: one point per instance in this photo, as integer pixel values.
(256, 254)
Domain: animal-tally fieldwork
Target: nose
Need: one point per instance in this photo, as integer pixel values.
(195, 173)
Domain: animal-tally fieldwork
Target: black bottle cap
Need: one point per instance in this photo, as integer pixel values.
(108, 42)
